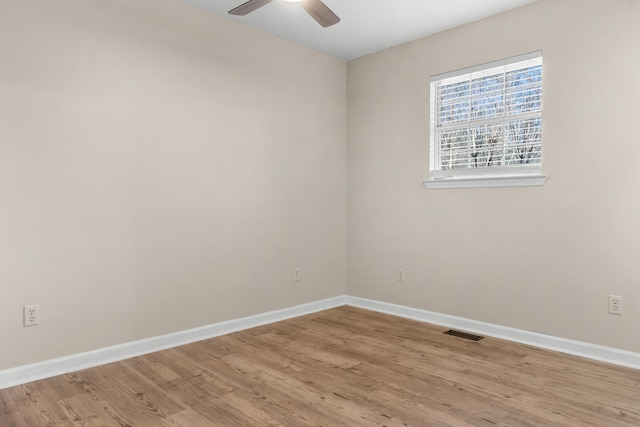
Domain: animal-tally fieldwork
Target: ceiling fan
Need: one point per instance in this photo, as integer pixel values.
(318, 10)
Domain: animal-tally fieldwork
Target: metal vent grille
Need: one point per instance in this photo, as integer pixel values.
(464, 335)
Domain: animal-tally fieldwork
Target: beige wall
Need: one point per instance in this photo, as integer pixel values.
(161, 168)
(542, 259)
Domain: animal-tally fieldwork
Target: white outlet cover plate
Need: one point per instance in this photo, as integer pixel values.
(31, 315)
(615, 304)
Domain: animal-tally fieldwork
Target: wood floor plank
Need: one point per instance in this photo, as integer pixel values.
(12, 420)
(84, 410)
(7, 406)
(340, 367)
(147, 394)
(36, 403)
(189, 418)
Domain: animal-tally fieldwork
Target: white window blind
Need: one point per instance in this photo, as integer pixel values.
(487, 120)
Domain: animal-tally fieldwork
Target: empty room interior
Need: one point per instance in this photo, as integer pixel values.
(206, 221)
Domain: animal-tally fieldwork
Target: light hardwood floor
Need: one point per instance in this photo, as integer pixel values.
(341, 367)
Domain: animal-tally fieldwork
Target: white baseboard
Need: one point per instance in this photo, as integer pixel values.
(50, 368)
(64, 365)
(577, 348)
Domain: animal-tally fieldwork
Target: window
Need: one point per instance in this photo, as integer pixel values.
(486, 125)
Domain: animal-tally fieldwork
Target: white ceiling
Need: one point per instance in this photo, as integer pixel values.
(366, 26)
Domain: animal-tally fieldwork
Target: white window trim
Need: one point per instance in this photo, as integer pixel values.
(486, 182)
(490, 177)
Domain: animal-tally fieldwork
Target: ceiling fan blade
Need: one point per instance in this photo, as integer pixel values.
(249, 6)
(320, 12)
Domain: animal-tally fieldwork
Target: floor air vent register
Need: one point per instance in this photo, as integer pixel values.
(464, 335)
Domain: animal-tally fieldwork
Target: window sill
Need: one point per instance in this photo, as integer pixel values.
(486, 182)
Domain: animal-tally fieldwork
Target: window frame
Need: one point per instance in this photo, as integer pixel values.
(491, 176)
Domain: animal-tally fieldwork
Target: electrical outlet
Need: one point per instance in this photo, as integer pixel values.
(400, 275)
(30, 315)
(297, 274)
(615, 304)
